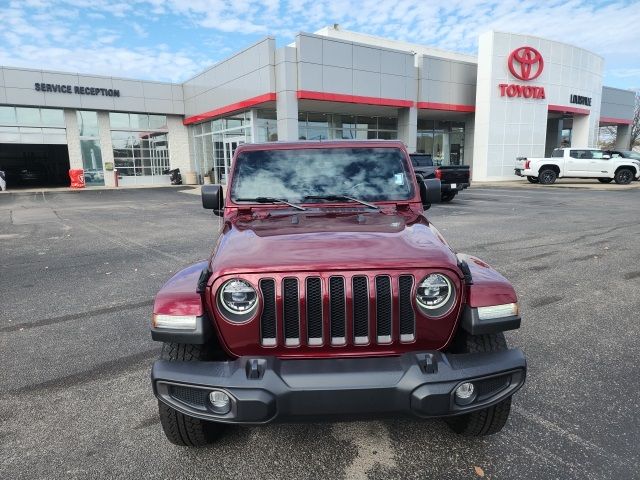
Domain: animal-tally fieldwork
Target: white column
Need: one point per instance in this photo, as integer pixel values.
(286, 71)
(73, 139)
(179, 155)
(469, 131)
(408, 127)
(580, 131)
(106, 147)
(623, 137)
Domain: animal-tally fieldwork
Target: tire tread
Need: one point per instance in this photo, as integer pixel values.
(491, 419)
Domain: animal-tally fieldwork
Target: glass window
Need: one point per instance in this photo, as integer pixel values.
(580, 154)
(373, 174)
(157, 121)
(140, 153)
(597, 153)
(8, 115)
(267, 114)
(369, 123)
(557, 153)
(387, 123)
(87, 123)
(28, 116)
(317, 120)
(139, 121)
(52, 118)
(92, 162)
(119, 120)
(387, 135)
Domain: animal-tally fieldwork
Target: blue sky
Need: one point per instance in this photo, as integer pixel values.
(175, 39)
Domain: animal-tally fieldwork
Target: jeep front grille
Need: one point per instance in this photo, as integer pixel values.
(337, 310)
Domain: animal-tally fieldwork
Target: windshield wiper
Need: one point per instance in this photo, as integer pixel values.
(270, 200)
(334, 198)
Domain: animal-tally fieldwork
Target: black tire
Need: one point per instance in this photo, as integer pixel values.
(187, 431)
(533, 179)
(547, 176)
(181, 429)
(491, 419)
(605, 180)
(624, 176)
(447, 197)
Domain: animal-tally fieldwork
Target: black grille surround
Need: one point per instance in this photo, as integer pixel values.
(407, 315)
(268, 320)
(360, 294)
(290, 312)
(337, 302)
(314, 311)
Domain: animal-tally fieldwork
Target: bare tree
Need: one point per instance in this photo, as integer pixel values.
(607, 135)
(635, 126)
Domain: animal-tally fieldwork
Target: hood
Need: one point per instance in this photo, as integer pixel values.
(330, 241)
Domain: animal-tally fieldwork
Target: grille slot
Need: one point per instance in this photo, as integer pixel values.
(407, 315)
(338, 310)
(290, 312)
(314, 311)
(383, 309)
(360, 310)
(268, 327)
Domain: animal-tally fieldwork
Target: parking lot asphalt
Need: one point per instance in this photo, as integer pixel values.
(78, 272)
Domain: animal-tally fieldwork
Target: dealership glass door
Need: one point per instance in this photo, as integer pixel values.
(229, 148)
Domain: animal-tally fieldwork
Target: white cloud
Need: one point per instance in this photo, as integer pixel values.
(32, 29)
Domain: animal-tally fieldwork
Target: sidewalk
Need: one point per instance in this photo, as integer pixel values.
(29, 191)
(585, 184)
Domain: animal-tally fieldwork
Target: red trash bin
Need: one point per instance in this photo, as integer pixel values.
(77, 177)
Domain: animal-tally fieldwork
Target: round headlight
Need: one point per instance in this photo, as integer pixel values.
(238, 297)
(434, 291)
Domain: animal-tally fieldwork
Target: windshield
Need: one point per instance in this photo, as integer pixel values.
(630, 154)
(370, 174)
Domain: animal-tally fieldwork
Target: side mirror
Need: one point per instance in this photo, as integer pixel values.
(213, 198)
(430, 191)
(606, 157)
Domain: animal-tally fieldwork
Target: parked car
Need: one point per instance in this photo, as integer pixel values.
(624, 154)
(329, 293)
(454, 178)
(578, 163)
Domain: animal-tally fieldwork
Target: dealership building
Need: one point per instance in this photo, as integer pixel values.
(520, 96)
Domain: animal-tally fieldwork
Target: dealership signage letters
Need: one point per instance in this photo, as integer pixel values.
(525, 63)
(50, 87)
(579, 100)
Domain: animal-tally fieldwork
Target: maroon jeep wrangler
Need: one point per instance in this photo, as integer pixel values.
(330, 295)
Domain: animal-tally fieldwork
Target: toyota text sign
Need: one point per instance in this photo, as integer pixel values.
(525, 63)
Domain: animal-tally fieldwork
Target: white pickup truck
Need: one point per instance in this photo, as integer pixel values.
(578, 163)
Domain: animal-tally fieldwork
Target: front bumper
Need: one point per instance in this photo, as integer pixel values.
(453, 187)
(266, 389)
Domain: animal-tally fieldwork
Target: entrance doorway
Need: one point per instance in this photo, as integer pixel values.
(222, 169)
(28, 165)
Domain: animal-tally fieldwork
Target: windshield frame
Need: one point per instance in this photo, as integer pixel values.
(393, 145)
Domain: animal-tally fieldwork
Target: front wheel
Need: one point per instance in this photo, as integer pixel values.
(181, 429)
(605, 180)
(489, 420)
(533, 179)
(624, 176)
(547, 176)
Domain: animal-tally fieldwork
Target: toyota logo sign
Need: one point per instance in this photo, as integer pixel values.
(525, 63)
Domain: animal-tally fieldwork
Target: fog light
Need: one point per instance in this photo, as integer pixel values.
(465, 393)
(220, 402)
